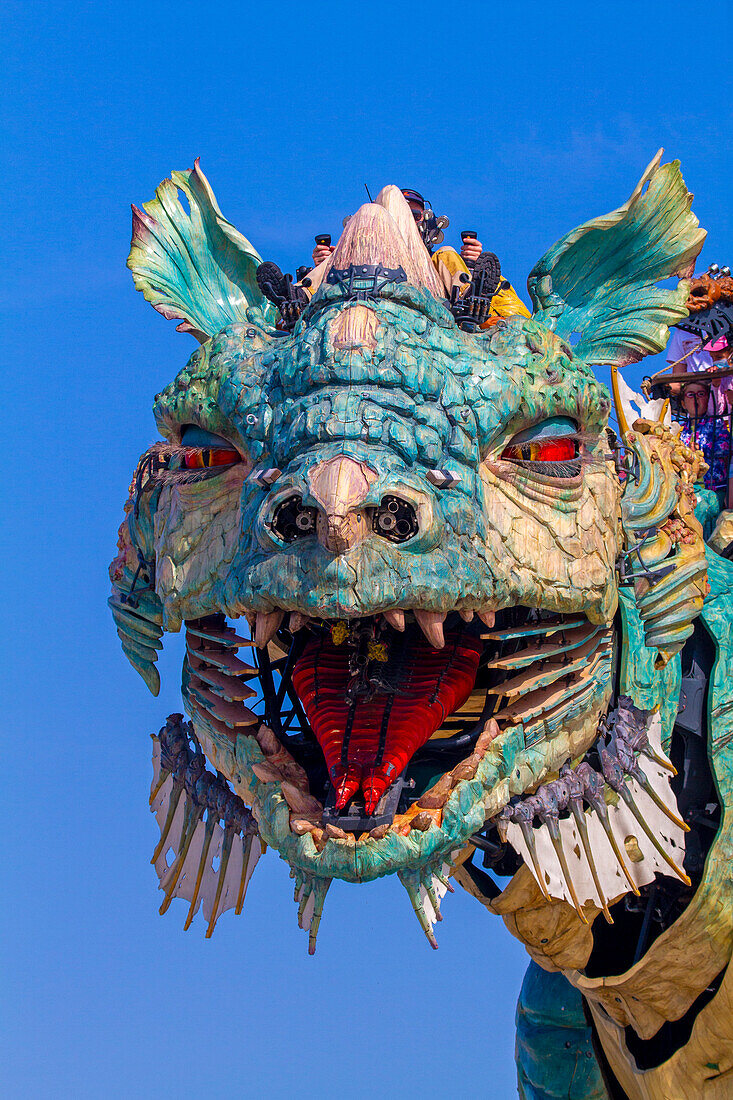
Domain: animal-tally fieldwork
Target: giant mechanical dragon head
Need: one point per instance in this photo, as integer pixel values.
(425, 530)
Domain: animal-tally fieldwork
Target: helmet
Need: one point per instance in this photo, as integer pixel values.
(414, 196)
(429, 226)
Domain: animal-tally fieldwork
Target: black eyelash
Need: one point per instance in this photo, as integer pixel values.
(553, 469)
(154, 468)
(188, 477)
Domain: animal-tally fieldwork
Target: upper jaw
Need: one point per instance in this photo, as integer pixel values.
(265, 625)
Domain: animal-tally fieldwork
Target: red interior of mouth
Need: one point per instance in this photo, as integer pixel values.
(369, 741)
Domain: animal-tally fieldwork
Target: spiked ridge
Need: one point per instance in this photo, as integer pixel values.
(426, 651)
(201, 821)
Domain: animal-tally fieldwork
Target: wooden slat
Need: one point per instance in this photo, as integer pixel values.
(475, 702)
(547, 627)
(144, 626)
(539, 652)
(532, 731)
(221, 658)
(534, 703)
(222, 637)
(231, 688)
(531, 679)
(706, 376)
(135, 635)
(220, 727)
(231, 714)
(134, 645)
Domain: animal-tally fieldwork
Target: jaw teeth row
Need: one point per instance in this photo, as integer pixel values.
(265, 625)
(431, 622)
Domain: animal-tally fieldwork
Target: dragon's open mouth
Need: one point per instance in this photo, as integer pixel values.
(375, 721)
(373, 698)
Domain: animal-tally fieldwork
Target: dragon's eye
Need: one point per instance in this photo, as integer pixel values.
(210, 456)
(395, 519)
(206, 449)
(550, 448)
(293, 520)
(547, 450)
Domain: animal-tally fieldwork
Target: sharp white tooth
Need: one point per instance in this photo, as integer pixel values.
(431, 624)
(467, 616)
(488, 618)
(297, 620)
(395, 618)
(266, 627)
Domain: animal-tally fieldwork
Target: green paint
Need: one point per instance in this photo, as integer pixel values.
(428, 396)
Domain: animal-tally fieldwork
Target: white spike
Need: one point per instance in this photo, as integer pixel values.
(159, 805)
(227, 895)
(611, 884)
(156, 784)
(305, 920)
(187, 877)
(176, 829)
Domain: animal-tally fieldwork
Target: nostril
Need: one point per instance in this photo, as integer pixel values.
(293, 520)
(395, 519)
(304, 521)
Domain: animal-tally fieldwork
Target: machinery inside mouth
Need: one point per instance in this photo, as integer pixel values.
(373, 713)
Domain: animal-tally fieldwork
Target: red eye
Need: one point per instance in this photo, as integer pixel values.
(544, 450)
(556, 450)
(204, 457)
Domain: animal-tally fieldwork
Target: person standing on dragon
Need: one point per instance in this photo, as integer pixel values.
(471, 281)
(455, 271)
(481, 638)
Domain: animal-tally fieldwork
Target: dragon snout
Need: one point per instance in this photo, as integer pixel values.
(340, 508)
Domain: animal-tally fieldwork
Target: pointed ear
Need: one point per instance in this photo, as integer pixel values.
(600, 281)
(194, 267)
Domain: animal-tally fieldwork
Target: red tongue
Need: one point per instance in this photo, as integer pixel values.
(368, 744)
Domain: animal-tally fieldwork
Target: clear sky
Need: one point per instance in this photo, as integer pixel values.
(519, 121)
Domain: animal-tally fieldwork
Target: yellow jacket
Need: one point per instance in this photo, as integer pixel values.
(449, 265)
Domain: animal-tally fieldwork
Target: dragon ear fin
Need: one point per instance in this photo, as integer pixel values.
(597, 287)
(194, 267)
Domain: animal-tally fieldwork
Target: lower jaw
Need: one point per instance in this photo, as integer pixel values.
(508, 757)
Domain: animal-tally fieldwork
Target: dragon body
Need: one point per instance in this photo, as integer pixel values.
(484, 639)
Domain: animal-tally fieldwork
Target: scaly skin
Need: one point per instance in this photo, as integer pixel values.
(411, 395)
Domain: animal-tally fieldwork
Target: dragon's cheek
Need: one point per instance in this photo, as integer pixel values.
(196, 538)
(554, 553)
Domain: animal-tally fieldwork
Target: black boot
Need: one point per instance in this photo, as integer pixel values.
(279, 289)
(471, 308)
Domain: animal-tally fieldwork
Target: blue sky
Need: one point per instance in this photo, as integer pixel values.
(517, 121)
